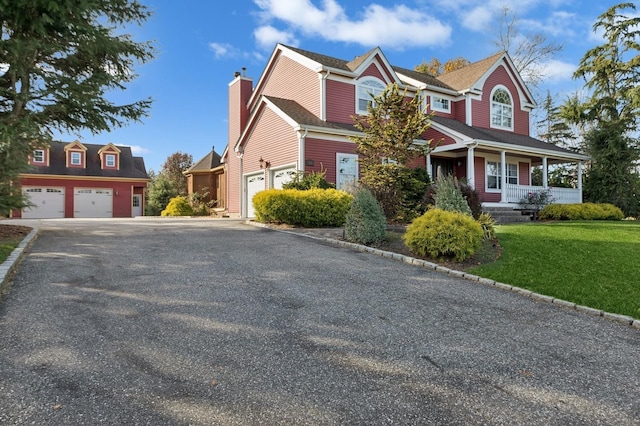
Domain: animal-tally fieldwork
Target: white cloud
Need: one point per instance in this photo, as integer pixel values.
(395, 27)
(267, 36)
(558, 71)
(478, 19)
(138, 150)
(220, 50)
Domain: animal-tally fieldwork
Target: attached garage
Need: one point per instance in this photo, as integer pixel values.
(48, 202)
(255, 184)
(280, 177)
(92, 202)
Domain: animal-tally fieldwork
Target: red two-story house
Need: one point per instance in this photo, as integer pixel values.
(298, 117)
(81, 180)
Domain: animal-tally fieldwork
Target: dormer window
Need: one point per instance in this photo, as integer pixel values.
(38, 156)
(75, 159)
(501, 109)
(366, 89)
(109, 157)
(440, 104)
(110, 160)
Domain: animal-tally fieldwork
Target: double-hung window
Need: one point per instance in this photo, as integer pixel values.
(38, 156)
(440, 104)
(366, 89)
(110, 160)
(76, 158)
(494, 174)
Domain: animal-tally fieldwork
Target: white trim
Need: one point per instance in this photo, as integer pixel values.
(33, 156)
(441, 98)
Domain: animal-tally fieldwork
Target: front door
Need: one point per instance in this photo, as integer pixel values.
(346, 170)
(136, 205)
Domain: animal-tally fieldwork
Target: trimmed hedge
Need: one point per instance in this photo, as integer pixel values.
(311, 208)
(178, 206)
(583, 211)
(439, 233)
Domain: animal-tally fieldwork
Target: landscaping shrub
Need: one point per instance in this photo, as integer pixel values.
(473, 199)
(439, 233)
(309, 208)
(178, 206)
(303, 181)
(365, 221)
(448, 196)
(583, 211)
(488, 225)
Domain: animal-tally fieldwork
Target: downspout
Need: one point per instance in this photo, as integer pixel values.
(323, 95)
(243, 194)
(301, 148)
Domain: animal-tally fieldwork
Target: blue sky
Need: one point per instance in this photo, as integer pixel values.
(201, 43)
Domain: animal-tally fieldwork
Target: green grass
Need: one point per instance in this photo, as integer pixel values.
(7, 246)
(595, 264)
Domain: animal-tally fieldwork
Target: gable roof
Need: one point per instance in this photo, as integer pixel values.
(504, 137)
(206, 163)
(130, 166)
(422, 77)
(462, 79)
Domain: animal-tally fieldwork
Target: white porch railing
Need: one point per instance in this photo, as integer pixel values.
(515, 193)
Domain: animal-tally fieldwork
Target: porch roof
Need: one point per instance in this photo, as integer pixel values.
(508, 140)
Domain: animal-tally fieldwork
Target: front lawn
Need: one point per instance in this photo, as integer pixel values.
(10, 238)
(595, 264)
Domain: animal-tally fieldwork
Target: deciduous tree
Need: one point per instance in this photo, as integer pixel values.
(58, 61)
(173, 170)
(435, 67)
(390, 139)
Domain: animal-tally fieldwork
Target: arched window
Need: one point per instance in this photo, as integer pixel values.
(366, 88)
(501, 109)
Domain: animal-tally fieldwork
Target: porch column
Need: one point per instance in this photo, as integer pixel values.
(503, 177)
(545, 173)
(580, 179)
(428, 166)
(470, 168)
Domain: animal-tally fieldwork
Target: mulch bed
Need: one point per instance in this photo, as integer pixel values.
(12, 232)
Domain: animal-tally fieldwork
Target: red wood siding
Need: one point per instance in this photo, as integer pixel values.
(273, 140)
(323, 153)
(291, 80)
(523, 173)
(373, 71)
(459, 111)
(122, 192)
(438, 138)
(341, 101)
(232, 171)
(480, 182)
(482, 108)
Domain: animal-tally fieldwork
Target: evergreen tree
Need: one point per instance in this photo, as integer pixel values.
(612, 75)
(59, 59)
(554, 129)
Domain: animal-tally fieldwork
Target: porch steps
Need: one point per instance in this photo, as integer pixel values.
(504, 215)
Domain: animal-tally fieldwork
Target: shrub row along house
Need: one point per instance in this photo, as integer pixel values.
(298, 117)
(83, 180)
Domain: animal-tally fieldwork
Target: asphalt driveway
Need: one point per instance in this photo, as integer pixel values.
(206, 322)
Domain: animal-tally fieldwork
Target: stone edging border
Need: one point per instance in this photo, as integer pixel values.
(622, 319)
(9, 266)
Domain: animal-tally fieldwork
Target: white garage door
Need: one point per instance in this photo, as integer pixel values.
(48, 202)
(92, 202)
(280, 177)
(255, 184)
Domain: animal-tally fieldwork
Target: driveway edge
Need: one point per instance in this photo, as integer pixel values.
(9, 266)
(622, 319)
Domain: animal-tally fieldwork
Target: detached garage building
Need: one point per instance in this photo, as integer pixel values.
(84, 180)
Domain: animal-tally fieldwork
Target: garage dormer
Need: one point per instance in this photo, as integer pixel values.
(39, 157)
(76, 155)
(109, 157)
